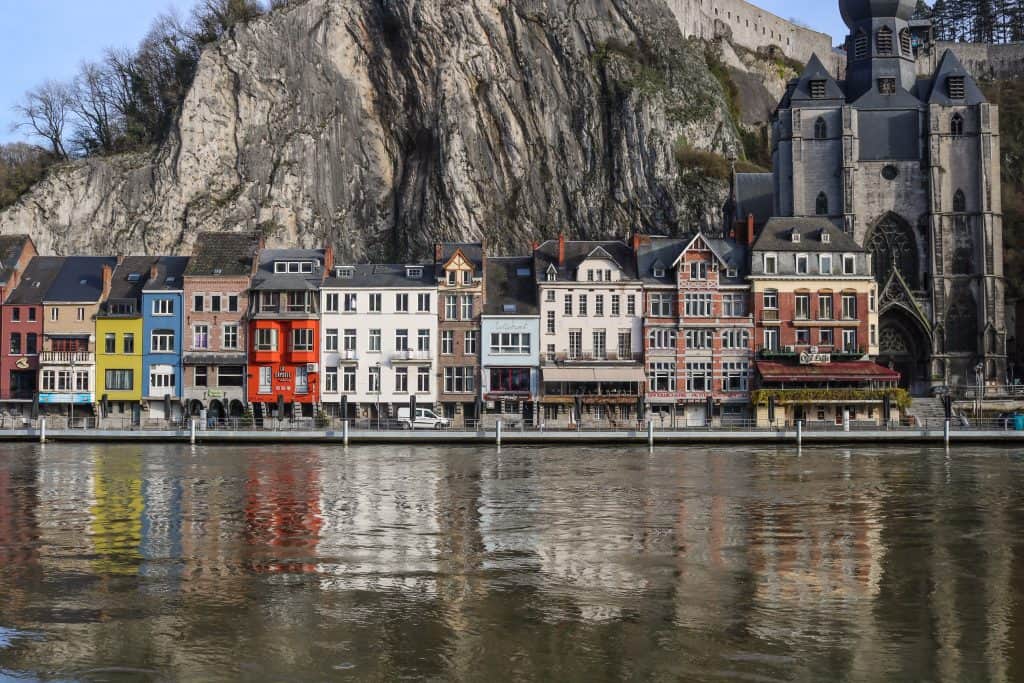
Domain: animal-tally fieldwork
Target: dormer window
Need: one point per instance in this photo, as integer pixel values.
(414, 273)
(955, 87)
(134, 277)
(887, 86)
(218, 271)
(731, 273)
(344, 272)
(467, 277)
(551, 274)
(826, 238)
(794, 236)
(883, 40)
(453, 276)
(817, 89)
(659, 272)
(849, 264)
(522, 272)
(293, 267)
(698, 270)
(508, 308)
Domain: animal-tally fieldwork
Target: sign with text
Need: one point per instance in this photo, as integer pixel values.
(807, 358)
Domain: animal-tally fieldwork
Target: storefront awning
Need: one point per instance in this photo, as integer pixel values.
(594, 375)
(852, 371)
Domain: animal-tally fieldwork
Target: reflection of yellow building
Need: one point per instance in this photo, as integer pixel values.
(116, 515)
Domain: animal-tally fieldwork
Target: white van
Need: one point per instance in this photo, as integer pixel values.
(425, 419)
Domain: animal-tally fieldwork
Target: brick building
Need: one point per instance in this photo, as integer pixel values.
(461, 282)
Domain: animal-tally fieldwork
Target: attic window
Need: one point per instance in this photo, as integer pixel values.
(659, 272)
(169, 279)
(345, 272)
(825, 237)
(887, 86)
(794, 236)
(860, 45)
(883, 40)
(818, 89)
(134, 277)
(413, 273)
(731, 272)
(955, 87)
(522, 272)
(218, 271)
(508, 308)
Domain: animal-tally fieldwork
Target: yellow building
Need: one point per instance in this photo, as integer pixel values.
(119, 342)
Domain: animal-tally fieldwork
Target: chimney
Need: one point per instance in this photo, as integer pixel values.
(328, 260)
(153, 270)
(561, 250)
(254, 257)
(750, 229)
(636, 241)
(120, 259)
(535, 245)
(108, 274)
(438, 253)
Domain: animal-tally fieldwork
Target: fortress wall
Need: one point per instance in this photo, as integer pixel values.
(987, 61)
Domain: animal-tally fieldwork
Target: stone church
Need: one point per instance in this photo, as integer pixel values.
(904, 155)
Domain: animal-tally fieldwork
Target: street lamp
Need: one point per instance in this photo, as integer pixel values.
(379, 380)
(979, 372)
(72, 387)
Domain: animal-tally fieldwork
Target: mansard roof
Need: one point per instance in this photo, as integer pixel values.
(950, 66)
(777, 235)
(510, 286)
(578, 251)
(656, 250)
(381, 275)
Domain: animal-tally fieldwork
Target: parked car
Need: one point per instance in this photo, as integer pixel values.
(425, 419)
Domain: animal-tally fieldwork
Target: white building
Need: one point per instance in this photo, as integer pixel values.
(379, 338)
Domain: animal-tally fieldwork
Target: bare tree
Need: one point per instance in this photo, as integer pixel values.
(44, 113)
(94, 103)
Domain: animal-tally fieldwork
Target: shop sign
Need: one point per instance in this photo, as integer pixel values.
(812, 357)
(22, 363)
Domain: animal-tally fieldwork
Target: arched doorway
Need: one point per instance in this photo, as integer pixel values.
(195, 408)
(215, 411)
(904, 346)
(893, 246)
(236, 409)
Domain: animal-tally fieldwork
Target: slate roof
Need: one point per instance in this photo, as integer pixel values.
(755, 194)
(266, 279)
(658, 250)
(505, 286)
(736, 256)
(36, 280)
(80, 279)
(381, 275)
(816, 71)
(950, 65)
(474, 251)
(577, 251)
(121, 288)
(169, 272)
(11, 248)
(227, 254)
(776, 235)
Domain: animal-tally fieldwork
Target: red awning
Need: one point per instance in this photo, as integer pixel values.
(851, 371)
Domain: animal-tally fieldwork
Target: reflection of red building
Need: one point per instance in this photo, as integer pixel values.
(22, 315)
(282, 516)
(284, 331)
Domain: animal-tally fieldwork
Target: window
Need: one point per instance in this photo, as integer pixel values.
(821, 204)
(299, 302)
(599, 305)
(265, 380)
(402, 303)
(459, 381)
(583, 305)
(849, 264)
(771, 264)
(802, 336)
(423, 340)
(905, 43)
(698, 270)
(269, 301)
(215, 303)
(467, 277)
(162, 377)
(568, 304)
(162, 307)
(293, 266)
(331, 380)
(818, 90)
(871, 300)
(825, 336)
(375, 340)
(201, 336)
(230, 340)
(956, 125)
(232, 303)
(550, 275)
(49, 380)
(109, 343)
(452, 277)
(16, 314)
(231, 376)
(467, 306)
(849, 341)
(162, 341)
(771, 339)
(734, 375)
(331, 301)
(616, 305)
(375, 302)
(820, 129)
(301, 379)
(550, 322)
(659, 272)
(887, 86)
(32, 314)
(661, 377)
(423, 302)
(661, 305)
(698, 305)
(348, 379)
(414, 273)
(198, 301)
(82, 380)
(302, 340)
(374, 379)
(625, 349)
(735, 339)
(80, 313)
(575, 344)
(802, 308)
(447, 342)
(551, 354)
(549, 296)
(661, 338)
(31, 344)
(471, 343)
(631, 305)
(698, 376)
(510, 379)
(128, 343)
(824, 307)
(351, 302)
(825, 264)
(770, 299)
(451, 307)
(801, 264)
(121, 380)
(266, 340)
(860, 45)
(883, 41)
(734, 305)
(849, 306)
(510, 342)
(54, 313)
(955, 87)
(401, 340)
(16, 344)
(873, 332)
(199, 376)
(699, 339)
(600, 344)
(423, 380)
(959, 201)
(331, 339)
(401, 380)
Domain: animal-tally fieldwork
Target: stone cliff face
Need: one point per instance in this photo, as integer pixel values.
(380, 126)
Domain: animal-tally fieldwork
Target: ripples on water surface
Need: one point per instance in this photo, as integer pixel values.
(289, 563)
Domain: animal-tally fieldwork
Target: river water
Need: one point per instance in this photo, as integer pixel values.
(462, 563)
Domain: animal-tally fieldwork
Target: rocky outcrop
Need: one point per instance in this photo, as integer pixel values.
(380, 126)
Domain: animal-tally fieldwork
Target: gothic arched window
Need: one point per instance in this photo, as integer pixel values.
(820, 129)
(883, 40)
(905, 43)
(860, 45)
(959, 202)
(961, 320)
(956, 125)
(821, 204)
(893, 246)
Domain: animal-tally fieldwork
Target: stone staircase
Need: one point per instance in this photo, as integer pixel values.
(928, 410)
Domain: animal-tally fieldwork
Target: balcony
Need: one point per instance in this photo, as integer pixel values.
(410, 356)
(67, 358)
(563, 357)
(350, 356)
(770, 315)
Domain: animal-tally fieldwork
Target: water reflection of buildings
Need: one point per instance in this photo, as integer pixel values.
(282, 513)
(115, 524)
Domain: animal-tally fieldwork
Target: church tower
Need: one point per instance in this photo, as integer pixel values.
(909, 166)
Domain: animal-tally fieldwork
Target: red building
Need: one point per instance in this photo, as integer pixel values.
(284, 332)
(22, 316)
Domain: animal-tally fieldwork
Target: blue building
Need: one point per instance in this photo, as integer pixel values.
(162, 329)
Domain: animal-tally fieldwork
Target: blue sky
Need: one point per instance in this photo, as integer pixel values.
(48, 38)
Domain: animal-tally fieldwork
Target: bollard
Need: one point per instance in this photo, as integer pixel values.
(344, 431)
(846, 420)
(42, 430)
(945, 433)
(497, 433)
(192, 432)
(650, 433)
(799, 433)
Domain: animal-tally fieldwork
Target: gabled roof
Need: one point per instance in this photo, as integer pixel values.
(381, 275)
(508, 291)
(578, 251)
(699, 241)
(731, 255)
(169, 274)
(777, 236)
(80, 280)
(472, 251)
(950, 66)
(227, 254)
(36, 281)
(816, 71)
(11, 249)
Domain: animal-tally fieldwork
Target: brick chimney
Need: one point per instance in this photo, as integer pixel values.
(636, 241)
(107, 276)
(438, 252)
(535, 245)
(328, 260)
(750, 229)
(561, 250)
(153, 270)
